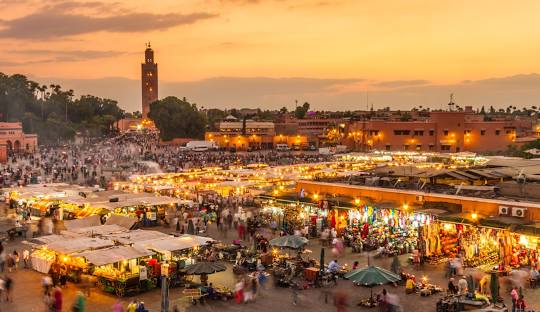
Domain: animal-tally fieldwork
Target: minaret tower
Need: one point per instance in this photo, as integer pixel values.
(149, 80)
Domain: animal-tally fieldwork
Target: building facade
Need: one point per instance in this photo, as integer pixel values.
(252, 135)
(444, 131)
(14, 140)
(149, 80)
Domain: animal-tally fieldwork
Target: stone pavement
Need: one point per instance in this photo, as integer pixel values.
(28, 297)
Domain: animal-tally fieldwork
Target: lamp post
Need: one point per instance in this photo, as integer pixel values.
(164, 287)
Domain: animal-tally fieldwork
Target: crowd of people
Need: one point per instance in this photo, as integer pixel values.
(94, 162)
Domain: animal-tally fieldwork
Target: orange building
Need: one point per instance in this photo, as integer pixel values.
(240, 136)
(14, 140)
(305, 132)
(443, 131)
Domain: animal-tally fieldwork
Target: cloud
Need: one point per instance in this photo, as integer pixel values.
(52, 56)
(69, 6)
(77, 54)
(47, 24)
(400, 83)
(274, 93)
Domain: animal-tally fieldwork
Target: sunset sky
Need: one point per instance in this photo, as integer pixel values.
(267, 53)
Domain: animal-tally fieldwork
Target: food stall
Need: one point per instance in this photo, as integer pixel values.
(60, 248)
(120, 269)
(178, 252)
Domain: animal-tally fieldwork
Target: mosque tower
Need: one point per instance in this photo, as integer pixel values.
(149, 80)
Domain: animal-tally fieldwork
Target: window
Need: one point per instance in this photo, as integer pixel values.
(418, 147)
(431, 147)
(482, 132)
(467, 132)
(445, 132)
(508, 131)
(419, 132)
(497, 132)
(387, 147)
(402, 132)
(445, 147)
(405, 147)
(431, 132)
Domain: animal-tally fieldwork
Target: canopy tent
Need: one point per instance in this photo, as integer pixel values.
(124, 221)
(99, 230)
(72, 225)
(136, 236)
(78, 244)
(141, 201)
(113, 254)
(47, 239)
(172, 244)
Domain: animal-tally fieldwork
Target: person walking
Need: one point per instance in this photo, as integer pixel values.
(520, 304)
(16, 260)
(515, 296)
(58, 299)
(117, 306)
(132, 306)
(26, 258)
(248, 291)
(80, 302)
(239, 291)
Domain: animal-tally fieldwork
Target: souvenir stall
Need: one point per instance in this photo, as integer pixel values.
(518, 250)
(121, 269)
(391, 231)
(478, 246)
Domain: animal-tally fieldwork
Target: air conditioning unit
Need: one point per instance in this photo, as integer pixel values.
(518, 212)
(504, 211)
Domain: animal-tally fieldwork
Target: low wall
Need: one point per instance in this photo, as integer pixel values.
(486, 207)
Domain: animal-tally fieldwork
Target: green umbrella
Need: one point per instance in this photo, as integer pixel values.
(371, 276)
(289, 241)
(494, 286)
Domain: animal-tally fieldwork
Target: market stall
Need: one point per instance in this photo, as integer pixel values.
(120, 269)
(60, 249)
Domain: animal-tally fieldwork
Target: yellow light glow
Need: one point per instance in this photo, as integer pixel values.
(474, 216)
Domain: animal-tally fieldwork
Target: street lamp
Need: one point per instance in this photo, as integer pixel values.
(164, 287)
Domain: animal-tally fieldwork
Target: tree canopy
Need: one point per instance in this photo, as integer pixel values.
(301, 111)
(176, 118)
(54, 114)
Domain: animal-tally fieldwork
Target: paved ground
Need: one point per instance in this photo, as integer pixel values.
(27, 291)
